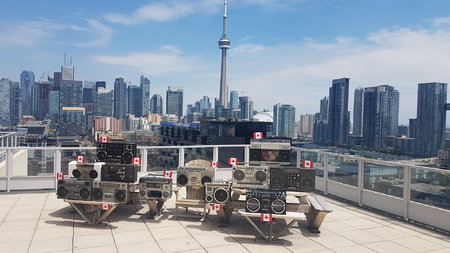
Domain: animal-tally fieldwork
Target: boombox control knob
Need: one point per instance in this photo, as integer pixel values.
(260, 176)
(238, 175)
(209, 198)
(166, 194)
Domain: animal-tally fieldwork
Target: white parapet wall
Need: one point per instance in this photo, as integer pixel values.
(20, 164)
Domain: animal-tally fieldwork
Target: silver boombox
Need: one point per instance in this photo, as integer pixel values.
(191, 176)
(74, 189)
(155, 187)
(251, 177)
(85, 171)
(270, 151)
(113, 192)
(218, 193)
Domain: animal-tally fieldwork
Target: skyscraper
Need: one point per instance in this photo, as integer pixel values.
(103, 102)
(53, 104)
(120, 98)
(306, 124)
(320, 131)
(26, 83)
(71, 94)
(338, 119)
(9, 100)
(358, 102)
(145, 87)
(246, 106)
(234, 100)
(67, 72)
(40, 92)
(156, 104)
(431, 117)
(224, 45)
(57, 77)
(284, 120)
(135, 100)
(324, 108)
(380, 119)
(174, 101)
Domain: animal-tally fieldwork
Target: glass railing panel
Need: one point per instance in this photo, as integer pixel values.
(199, 156)
(387, 179)
(162, 159)
(317, 158)
(343, 169)
(70, 155)
(34, 162)
(431, 187)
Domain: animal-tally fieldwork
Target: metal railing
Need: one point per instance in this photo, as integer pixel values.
(413, 192)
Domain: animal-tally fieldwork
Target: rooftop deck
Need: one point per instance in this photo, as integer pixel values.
(39, 222)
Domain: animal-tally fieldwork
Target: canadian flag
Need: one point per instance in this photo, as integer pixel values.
(214, 164)
(216, 207)
(104, 206)
(266, 217)
(104, 139)
(136, 160)
(167, 173)
(257, 135)
(80, 159)
(232, 161)
(59, 175)
(307, 164)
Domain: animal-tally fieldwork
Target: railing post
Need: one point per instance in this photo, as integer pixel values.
(299, 157)
(15, 140)
(144, 162)
(406, 191)
(181, 157)
(360, 181)
(57, 165)
(247, 155)
(216, 154)
(3, 140)
(9, 169)
(325, 173)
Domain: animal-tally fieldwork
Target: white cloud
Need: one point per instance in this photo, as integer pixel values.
(300, 73)
(166, 61)
(33, 32)
(247, 49)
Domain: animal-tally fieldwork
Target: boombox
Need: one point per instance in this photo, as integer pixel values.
(190, 176)
(110, 192)
(218, 193)
(251, 177)
(292, 179)
(85, 171)
(265, 201)
(119, 151)
(270, 151)
(74, 189)
(120, 172)
(155, 187)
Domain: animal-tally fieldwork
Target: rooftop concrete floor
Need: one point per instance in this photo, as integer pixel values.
(39, 222)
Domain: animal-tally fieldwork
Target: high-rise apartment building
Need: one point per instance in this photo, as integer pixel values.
(284, 120)
(103, 102)
(135, 100)
(380, 120)
(246, 106)
(338, 116)
(320, 131)
(53, 104)
(324, 108)
(358, 105)
(306, 124)
(234, 100)
(156, 104)
(174, 101)
(431, 118)
(145, 87)
(9, 100)
(71, 94)
(40, 93)
(27, 80)
(120, 98)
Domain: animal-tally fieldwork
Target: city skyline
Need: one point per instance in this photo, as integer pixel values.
(296, 46)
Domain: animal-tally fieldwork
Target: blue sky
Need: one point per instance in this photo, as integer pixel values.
(283, 51)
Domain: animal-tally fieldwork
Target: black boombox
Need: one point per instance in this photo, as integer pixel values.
(292, 179)
(120, 172)
(85, 171)
(113, 192)
(218, 193)
(74, 189)
(270, 151)
(116, 151)
(155, 187)
(265, 201)
(192, 176)
(250, 177)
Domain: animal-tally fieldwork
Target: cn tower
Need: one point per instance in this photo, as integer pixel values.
(224, 44)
